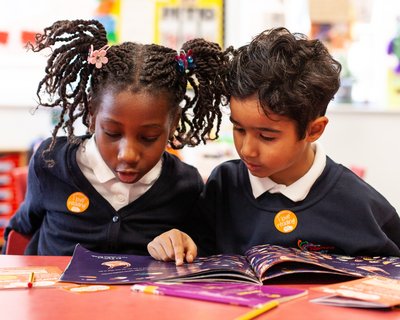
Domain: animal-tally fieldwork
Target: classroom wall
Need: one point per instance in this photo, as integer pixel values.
(20, 126)
(369, 140)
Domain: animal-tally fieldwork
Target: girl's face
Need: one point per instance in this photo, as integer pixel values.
(131, 132)
(269, 146)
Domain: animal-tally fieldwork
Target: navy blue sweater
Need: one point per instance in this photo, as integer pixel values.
(341, 214)
(56, 230)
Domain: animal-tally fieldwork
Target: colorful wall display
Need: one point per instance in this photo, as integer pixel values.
(177, 21)
(108, 13)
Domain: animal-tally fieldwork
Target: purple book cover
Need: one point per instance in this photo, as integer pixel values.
(92, 267)
(241, 294)
(260, 264)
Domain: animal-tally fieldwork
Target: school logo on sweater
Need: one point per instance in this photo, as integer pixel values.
(77, 202)
(309, 246)
(285, 221)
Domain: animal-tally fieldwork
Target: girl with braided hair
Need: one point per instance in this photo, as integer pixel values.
(116, 188)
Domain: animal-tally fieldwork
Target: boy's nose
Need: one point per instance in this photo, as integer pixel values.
(249, 147)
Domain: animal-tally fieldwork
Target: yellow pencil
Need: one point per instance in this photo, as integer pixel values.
(256, 312)
(31, 279)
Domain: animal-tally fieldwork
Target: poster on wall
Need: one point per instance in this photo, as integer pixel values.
(393, 89)
(108, 12)
(20, 20)
(177, 21)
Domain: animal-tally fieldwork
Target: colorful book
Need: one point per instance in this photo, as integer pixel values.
(241, 294)
(259, 265)
(369, 292)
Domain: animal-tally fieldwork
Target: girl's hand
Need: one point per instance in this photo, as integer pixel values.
(173, 245)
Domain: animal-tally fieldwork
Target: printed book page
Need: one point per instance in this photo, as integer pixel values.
(271, 261)
(103, 268)
(369, 292)
(261, 263)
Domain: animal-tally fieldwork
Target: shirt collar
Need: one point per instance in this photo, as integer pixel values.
(103, 173)
(299, 189)
(150, 177)
(93, 157)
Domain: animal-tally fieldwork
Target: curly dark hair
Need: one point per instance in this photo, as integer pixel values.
(75, 85)
(292, 75)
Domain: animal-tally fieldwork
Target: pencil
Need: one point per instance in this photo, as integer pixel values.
(145, 289)
(31, 279)
(256, 312)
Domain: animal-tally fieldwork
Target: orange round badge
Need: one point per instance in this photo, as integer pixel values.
(285, 221)
(77, 202)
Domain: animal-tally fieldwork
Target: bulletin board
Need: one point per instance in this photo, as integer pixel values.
(177, 21)
(21, 70)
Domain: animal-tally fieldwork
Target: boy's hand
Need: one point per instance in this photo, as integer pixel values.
(173, 245)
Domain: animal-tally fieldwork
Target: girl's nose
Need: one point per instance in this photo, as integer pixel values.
(128, 152)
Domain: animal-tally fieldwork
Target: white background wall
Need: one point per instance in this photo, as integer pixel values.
(354, 137)
(367, 139)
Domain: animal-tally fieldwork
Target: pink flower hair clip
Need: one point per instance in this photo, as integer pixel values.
(98, 57)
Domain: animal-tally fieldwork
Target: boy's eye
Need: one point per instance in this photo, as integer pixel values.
(238, 129)
(267, 138)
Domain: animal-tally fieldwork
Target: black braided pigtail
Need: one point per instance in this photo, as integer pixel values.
(66, 82)
(159, 73)
(208, 80)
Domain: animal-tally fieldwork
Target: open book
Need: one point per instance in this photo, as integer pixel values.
(369, 292)
(260, 264)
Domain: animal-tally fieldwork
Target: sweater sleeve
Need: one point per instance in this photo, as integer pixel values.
(204, 226)
(392, 229)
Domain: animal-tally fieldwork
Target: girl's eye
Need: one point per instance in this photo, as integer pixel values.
(112, 134)
(150, 139)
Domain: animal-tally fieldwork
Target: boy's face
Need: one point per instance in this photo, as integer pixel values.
(269, 146)
(131, 131)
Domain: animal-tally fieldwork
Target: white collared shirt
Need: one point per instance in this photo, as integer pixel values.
(299, 189)
(118, 194)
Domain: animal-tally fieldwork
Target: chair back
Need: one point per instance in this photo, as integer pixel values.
(16, 243)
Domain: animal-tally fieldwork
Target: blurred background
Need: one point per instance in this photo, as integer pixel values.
(364, 35)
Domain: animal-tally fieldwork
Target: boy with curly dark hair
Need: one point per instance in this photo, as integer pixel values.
(284, 190)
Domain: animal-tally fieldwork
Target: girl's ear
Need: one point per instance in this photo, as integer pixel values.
(316, 128)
